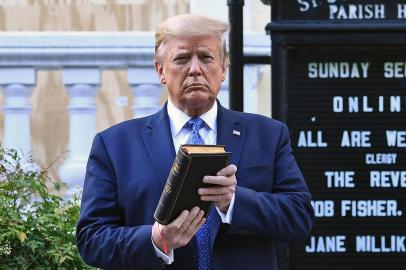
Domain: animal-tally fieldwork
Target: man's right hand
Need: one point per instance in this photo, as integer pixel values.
(179, 232)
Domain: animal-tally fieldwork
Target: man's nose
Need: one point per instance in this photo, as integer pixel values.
(195, 68)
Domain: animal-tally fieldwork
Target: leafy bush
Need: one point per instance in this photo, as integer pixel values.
(37, 229)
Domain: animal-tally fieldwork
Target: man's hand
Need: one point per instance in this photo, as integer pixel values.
(179, 232)
(224, 190)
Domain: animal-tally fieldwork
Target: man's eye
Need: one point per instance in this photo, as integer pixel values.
(180, 58)
(207, 58)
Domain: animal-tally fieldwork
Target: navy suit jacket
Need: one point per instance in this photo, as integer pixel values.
(127, 170)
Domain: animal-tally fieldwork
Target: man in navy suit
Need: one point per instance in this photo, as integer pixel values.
(264, 201)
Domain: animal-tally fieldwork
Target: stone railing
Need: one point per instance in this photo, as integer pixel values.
(82, 56)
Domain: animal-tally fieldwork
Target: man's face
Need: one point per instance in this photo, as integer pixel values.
(192, 69)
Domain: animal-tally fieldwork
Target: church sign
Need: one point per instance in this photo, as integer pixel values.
(339, 82)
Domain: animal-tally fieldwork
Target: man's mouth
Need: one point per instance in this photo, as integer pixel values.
(196, 87)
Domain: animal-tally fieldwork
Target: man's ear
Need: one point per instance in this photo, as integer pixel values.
(160, 71)
(224, 71)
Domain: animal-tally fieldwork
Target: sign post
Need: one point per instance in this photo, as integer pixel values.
(339, 81)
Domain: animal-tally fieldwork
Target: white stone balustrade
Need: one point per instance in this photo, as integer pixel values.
(82, 56)
(17, 85)
(82, 85)
(146, 90)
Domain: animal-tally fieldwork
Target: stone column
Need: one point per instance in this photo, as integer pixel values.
(82, 86)
(146, 90)
(17, 85)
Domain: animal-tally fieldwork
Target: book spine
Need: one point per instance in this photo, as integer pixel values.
(172, 187)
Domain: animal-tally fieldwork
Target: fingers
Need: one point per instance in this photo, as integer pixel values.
(226, 198)
(196, 223)
(180, 231)
(200, 224)
(216, 190)
(220, 180)
(190, 218)
(177, 223)
(225, 177)
(186, 222)
(223, 187)
(227, 171)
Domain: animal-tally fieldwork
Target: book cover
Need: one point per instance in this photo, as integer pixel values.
(191, 164)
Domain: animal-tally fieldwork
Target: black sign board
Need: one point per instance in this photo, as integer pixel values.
(340, 10)
(340, 84)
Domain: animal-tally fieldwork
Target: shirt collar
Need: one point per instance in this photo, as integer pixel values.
(178, 118)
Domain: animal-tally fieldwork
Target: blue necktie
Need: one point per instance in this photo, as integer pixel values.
(195, 124)
(204, 258)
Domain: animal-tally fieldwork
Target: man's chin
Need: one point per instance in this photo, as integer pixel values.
(202, 100)
(197, 105)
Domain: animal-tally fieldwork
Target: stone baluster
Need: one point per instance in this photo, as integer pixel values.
(82, 86)
(17, 85)
(146, 90)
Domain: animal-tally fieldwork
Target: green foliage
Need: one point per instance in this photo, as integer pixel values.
(37, 229)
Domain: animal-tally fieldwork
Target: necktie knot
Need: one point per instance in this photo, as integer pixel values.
(195, 124)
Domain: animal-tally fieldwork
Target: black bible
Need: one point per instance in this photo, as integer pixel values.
(191, 164)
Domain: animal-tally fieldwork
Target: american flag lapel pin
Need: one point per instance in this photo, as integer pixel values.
(236, 132)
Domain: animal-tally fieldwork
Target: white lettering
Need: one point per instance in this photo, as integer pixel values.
(323, 244)
(395, 103)
(306, 139)
(395, 70)
(338, 104)
(356, 139)
(401, 11)
(365, 67)
(340, 179)
(354, 104)
(323, 208)
(333, 11)
(380, 102)
(370, 208)
(369, 12)
(387, 179)
(379, 11)
(365, 107)
(354, 71)
(380, 158)
(357, 11)
(395, 138)
(370, 243)
(312, 70)
(304, 5)
(342, 70)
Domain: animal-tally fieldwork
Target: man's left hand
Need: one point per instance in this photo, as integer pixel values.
(224, 189)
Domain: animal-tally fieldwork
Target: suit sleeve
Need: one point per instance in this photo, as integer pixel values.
(101, 238)
(285, 213)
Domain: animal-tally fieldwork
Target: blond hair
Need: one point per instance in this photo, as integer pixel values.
(190, 25)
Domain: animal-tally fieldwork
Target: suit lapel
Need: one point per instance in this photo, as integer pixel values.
(158, 141)
(231, 133)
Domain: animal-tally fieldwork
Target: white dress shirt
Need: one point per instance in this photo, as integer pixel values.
(180, 135)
